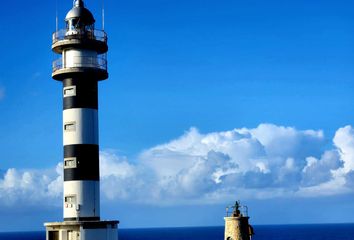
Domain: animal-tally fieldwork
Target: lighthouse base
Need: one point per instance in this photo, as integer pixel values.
(85, 230)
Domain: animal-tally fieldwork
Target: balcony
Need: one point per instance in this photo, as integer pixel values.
(95, 40)
(237, 210)
(92, 66)
(63, 34)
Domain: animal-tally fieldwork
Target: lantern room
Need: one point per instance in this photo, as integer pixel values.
(79, 20)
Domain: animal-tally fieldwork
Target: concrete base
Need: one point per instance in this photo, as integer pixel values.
(85, 230)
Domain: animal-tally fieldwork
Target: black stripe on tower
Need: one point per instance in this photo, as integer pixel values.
(86, 95)
(83, 219)
(87, 162)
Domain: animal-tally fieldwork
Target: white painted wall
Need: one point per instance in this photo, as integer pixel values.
(79, 58)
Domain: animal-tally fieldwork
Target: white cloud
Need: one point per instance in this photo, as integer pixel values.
(319, 171)
(31, 187)
(344, 141)
(119, 179)
(264, 162)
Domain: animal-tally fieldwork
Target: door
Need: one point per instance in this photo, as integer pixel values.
(53, 235)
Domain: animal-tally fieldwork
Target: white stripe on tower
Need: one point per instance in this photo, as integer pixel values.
(87, 196)
(80, 126)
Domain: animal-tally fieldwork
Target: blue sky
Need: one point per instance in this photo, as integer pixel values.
(207, 102)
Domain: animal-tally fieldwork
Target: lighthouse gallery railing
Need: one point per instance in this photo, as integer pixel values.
(99, 62)
(64, 34)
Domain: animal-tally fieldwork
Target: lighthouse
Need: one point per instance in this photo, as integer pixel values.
(236, 223)
(81, 64)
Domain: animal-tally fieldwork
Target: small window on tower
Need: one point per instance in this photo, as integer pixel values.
(69, 91)
(70, 126)
(69, 163)
(69, 201)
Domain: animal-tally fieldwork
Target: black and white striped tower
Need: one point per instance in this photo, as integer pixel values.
(82, 64)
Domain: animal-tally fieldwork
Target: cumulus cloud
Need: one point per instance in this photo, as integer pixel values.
(344, 141)
(266, 161)
(30, 187)
(318, 171)
(119, 178)
(266, 156)
(263, 162)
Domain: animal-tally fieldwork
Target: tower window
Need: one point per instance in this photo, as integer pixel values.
(70, 126)
(69, 91)
(69, 201)
(69, 163)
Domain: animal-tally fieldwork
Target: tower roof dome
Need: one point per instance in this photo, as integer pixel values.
(79, 11)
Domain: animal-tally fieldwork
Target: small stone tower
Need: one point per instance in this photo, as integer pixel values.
(81, 64)
(236, 223)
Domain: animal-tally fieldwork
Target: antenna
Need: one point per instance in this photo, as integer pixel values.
(102, 14)
(56, 16)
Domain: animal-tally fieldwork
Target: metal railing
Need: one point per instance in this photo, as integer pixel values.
(99, 63)
(237, 209)
(64, 34)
